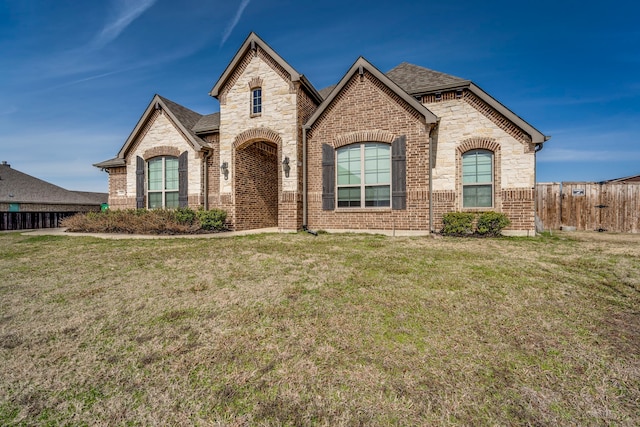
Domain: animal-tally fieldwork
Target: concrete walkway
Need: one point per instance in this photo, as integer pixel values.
(63, 232)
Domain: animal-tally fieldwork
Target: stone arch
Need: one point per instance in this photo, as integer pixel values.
(481, 143)
(373, 135)
(478, 144)
(250, 136)
(162, 150)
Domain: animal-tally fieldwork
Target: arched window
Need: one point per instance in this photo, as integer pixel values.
(477, 179)
(162, 182)
(364, 175)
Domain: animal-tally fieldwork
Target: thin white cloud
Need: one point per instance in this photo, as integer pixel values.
(235, 21)
(126, 11)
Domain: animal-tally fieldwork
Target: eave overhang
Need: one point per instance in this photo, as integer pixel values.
(251, 43)
(360, 66)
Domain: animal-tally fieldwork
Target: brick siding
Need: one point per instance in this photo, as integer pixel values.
(256, 189)
(366, 108)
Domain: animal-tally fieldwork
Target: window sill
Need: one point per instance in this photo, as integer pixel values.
(361, 210)
(252, 115)
(482, 209)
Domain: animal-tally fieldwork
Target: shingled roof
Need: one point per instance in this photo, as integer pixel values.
(191, 123)
(416, 80)
(18, 187)
(188, 118)
(207, 123)
(326, 91)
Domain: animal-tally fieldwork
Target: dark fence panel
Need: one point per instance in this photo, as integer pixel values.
(31, 220)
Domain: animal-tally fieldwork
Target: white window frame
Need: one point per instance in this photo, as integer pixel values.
(363, 185)
(164, 190)
(490, 184)
(256, 101)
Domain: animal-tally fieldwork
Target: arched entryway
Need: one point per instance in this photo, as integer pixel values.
(256, 185)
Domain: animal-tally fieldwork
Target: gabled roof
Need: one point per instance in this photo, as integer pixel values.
(358, 67)
(185, 119)
(18, 187)
(417, 81)
(537, 137)
(250, 44)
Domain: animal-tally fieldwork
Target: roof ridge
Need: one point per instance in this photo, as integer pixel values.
(416, 79)
(175, 104)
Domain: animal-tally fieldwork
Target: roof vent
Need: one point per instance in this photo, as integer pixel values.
(4, 163)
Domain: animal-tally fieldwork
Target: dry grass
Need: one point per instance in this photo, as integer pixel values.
(330, 330)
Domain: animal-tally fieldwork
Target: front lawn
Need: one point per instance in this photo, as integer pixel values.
(292, 329)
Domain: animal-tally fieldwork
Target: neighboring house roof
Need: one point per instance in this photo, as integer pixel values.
(98, 198)
(250, 44)
(358, 67)
(18, 187)
(632, 178)
(190, 123)
(416, 81)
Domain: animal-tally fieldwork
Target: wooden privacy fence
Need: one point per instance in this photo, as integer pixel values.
(589, 206)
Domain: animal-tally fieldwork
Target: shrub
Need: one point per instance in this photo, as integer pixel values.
(458, 223)
(213, 219)
(145, 221)
(184, 216)
(491, 223)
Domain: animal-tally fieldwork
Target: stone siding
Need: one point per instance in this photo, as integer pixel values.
(277, 123)
(159, 138)
(466, 122)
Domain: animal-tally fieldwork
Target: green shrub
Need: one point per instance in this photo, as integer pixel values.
(213, 219)
(491, 223)
(458, 223)
(184, 216)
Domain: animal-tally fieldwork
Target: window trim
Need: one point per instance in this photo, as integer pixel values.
(256, 101)
(164, 191)
(490, 184)
(362, 185)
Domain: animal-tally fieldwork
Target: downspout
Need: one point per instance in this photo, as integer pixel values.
(538, 147)
(207, 155)
(304, 176)
(431, 130)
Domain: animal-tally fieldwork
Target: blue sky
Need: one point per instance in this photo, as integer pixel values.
(76, 76)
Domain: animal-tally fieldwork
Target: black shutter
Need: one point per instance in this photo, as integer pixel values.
(183, 180)
(399, 173)
(139, 182)
(328, 178)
